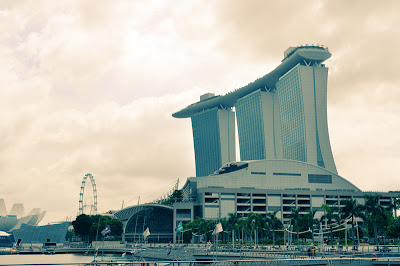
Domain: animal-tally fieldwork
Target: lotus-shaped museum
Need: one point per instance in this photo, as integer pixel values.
(13, 219)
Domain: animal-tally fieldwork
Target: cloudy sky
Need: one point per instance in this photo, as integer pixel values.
(90, 86)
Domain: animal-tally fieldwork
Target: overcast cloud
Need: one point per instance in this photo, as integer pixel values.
(90, 86)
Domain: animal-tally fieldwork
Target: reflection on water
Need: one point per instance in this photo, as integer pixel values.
(52, 259)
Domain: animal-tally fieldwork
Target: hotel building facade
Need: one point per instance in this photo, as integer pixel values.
(286, 159)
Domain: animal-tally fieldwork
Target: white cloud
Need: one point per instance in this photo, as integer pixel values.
(91, 88)
(124, 147)
(364, 142)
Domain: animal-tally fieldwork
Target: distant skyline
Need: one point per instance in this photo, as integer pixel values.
(90, 87)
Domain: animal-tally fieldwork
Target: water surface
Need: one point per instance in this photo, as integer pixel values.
(17, 259)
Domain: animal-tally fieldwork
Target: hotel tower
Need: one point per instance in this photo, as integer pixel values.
(282, 115)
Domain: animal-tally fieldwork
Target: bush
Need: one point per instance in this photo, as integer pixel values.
(266, 241)
(280, 242)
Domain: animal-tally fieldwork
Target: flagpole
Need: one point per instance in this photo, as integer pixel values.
(146, 233)
(358, 236)
(97, 233)
(104, 236)
(179, 231)
(144, 222)
(134, 236)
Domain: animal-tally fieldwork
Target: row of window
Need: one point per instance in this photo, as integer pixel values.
(206, 140)
(292, 116)
(285, 174)
(312, 178)
(320, 179)
(251, 127)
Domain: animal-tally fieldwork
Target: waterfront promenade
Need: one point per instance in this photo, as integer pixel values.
(185, 254)
(74, 260)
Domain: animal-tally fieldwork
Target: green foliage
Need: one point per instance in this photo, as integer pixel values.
(377, 221)
(233, 220)
(280, 242)
(87, 226)
(306, 223)
(393, 228)
(273, 223)
(353, 209)
(295, 221)
(374, 215)
(175, 197)
(330, 216)
(254, 222)
(69, 235)
(378, 225)
(199, 226)
(245, 229)
(115, 226)
(82, 226)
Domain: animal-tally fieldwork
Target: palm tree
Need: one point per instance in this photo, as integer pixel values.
(224, 222)
(254, 223)
(273, 223)
(353, 209)
(329, 216)
(295, 218)
(373, 210)
(309, 218)
(339, 219)
(319, 223)
(259, 221)
(241, 226)
(232, 223)
(203, 227)
(199, 226)
(395, 206)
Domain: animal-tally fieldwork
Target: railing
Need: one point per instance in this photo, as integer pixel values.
(249, 255)
(242, 262)
(306, 46)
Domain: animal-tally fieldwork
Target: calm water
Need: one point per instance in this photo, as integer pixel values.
(51, 259)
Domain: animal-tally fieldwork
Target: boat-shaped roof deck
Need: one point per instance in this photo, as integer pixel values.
(293, 57)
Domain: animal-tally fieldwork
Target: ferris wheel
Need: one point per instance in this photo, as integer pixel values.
(83, 205)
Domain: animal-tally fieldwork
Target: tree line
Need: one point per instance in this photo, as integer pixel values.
(88, 226)
(376, 221)
(268, 229)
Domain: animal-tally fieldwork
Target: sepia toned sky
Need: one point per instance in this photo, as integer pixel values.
(90, 86)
